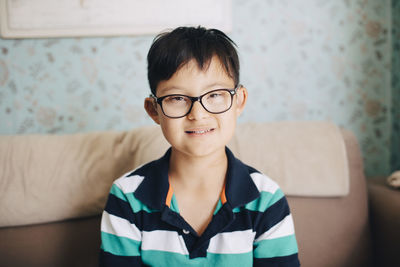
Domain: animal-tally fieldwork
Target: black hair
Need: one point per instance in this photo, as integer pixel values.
(171, 50)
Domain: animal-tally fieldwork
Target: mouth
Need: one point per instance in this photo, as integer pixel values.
(199, 131)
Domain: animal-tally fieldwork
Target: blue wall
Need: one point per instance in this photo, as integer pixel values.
(307, 60)
(395, 144)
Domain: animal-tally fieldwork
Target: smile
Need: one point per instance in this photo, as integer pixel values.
(200, 131)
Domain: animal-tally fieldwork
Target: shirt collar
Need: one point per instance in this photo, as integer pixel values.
(153, 191)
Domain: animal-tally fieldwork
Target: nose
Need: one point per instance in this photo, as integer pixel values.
(197, 112)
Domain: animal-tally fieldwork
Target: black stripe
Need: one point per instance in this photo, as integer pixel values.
(260, 222)
(243, 220)
(286, 261)
(120, 208)
(273, 215)
(110, 260)
(144, 221)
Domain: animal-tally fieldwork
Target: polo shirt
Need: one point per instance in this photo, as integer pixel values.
(251, 226)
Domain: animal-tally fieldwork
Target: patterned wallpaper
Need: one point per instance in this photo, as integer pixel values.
(395, 145)
(301, 60)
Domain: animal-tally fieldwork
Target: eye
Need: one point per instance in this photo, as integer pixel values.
(175, 99)
(218, 95)
(214, 95)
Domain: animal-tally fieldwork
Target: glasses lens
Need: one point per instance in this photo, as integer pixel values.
(176, 105)
(217, 101)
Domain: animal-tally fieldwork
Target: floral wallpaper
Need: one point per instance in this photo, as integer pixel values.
(395, 145)
(301, 60)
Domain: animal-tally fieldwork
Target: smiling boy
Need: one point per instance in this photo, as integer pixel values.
(197, 205)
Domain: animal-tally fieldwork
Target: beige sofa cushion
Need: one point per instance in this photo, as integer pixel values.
(47, 178)
(305, 158)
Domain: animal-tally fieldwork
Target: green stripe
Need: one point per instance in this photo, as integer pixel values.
(263, 202)
(218, 207)
(239, 260)
(121, 246)
(174, 204)
(130, 197)
(277, 247)
(116, 191)
(167, 259)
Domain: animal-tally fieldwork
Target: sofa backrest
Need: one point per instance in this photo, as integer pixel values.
(45, 178)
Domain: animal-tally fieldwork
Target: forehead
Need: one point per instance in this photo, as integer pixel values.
(190, 78)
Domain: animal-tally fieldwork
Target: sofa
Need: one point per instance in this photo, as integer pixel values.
(53, 189)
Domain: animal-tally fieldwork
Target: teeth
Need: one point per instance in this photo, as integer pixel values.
(199, 132)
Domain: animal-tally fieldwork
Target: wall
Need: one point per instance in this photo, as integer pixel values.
(301, 60)
(395, 144)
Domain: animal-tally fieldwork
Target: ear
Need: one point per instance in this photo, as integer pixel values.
(241, 99)
(150, 106)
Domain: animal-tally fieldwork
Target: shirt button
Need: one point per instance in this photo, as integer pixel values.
(185, 231)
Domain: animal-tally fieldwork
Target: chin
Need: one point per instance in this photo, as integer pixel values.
(201, 151)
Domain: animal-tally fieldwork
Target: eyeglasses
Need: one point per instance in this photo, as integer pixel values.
(177, 106)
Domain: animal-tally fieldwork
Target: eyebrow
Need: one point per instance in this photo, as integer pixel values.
(218, 85)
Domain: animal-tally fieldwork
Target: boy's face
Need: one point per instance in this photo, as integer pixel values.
(200, 132)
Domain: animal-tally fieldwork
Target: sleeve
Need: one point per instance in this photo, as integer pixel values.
(275, 241)
(120, 236)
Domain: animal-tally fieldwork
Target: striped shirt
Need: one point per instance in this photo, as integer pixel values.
(251, 226)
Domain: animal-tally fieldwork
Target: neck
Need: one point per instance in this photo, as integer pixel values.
(198, 172)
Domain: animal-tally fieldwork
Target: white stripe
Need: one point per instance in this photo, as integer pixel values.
(264, 183)
(129, 184)
(118, 226)
(281, 229)
(232, 242)
(164, 241)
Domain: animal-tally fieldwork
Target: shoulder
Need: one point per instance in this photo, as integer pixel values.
(262, 181)
(270, 194)
(261, 191)
(130, 181)
(245, 175)
(124, 190)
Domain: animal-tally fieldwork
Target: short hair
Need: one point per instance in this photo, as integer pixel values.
(172, 50)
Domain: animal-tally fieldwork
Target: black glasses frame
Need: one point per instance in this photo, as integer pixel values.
(196, 98)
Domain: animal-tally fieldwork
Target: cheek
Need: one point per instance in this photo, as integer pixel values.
(236, 108)
(170, 129)
(229, 117)
(228, 123)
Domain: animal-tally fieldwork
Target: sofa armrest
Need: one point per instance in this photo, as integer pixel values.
(62, 244)
(384, 205)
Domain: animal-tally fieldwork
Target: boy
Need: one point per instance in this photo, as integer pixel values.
(197, 205)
